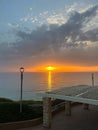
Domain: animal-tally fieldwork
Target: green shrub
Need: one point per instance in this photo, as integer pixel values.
(9, 112)
(31, 102)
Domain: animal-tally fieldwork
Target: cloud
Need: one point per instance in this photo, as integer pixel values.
(71, 8)
(44, 17)
(67, 43)
(30, 9)
(13, 25)
(56, 19)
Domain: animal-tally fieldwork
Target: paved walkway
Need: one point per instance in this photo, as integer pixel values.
(80, 120)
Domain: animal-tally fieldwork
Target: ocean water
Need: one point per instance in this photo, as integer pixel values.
(34, 83)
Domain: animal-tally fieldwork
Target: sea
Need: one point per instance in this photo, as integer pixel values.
(34, 83)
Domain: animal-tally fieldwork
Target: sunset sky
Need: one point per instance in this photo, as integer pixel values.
(40, 33)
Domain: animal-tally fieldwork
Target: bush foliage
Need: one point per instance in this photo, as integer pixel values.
(9, 112)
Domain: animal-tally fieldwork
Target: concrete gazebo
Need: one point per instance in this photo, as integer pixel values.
(82, 94)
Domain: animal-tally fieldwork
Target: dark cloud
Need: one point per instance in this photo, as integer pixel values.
(65, 43)
(91, 35)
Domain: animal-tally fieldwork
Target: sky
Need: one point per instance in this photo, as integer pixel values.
(39, 33)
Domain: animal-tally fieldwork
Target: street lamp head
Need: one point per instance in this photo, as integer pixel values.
(21, 69)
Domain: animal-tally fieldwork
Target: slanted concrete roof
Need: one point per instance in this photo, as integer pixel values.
(72, 91)
(82, 93)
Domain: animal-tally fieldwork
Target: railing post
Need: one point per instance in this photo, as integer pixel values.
(68, 108)
(86, 106)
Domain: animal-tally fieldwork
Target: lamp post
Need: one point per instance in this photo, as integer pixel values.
(92, 79)
(21, 72)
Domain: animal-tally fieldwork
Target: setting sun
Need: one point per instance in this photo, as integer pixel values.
(50, 68)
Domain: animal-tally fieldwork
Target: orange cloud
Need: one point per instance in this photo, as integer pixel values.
(61, 68)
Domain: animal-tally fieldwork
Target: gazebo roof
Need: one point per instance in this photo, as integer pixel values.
(81, 93)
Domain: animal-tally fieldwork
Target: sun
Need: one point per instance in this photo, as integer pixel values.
(50, 68)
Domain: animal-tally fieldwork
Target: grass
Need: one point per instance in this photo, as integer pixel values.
(5, 100)
(9, 110)
(30, 102)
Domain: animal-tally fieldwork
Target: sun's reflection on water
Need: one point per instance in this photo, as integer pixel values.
(49, 82)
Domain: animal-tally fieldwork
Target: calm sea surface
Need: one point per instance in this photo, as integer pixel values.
(40, 82)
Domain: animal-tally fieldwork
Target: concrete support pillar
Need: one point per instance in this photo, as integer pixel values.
(47, 115)
(86, 106)
(68, 108)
